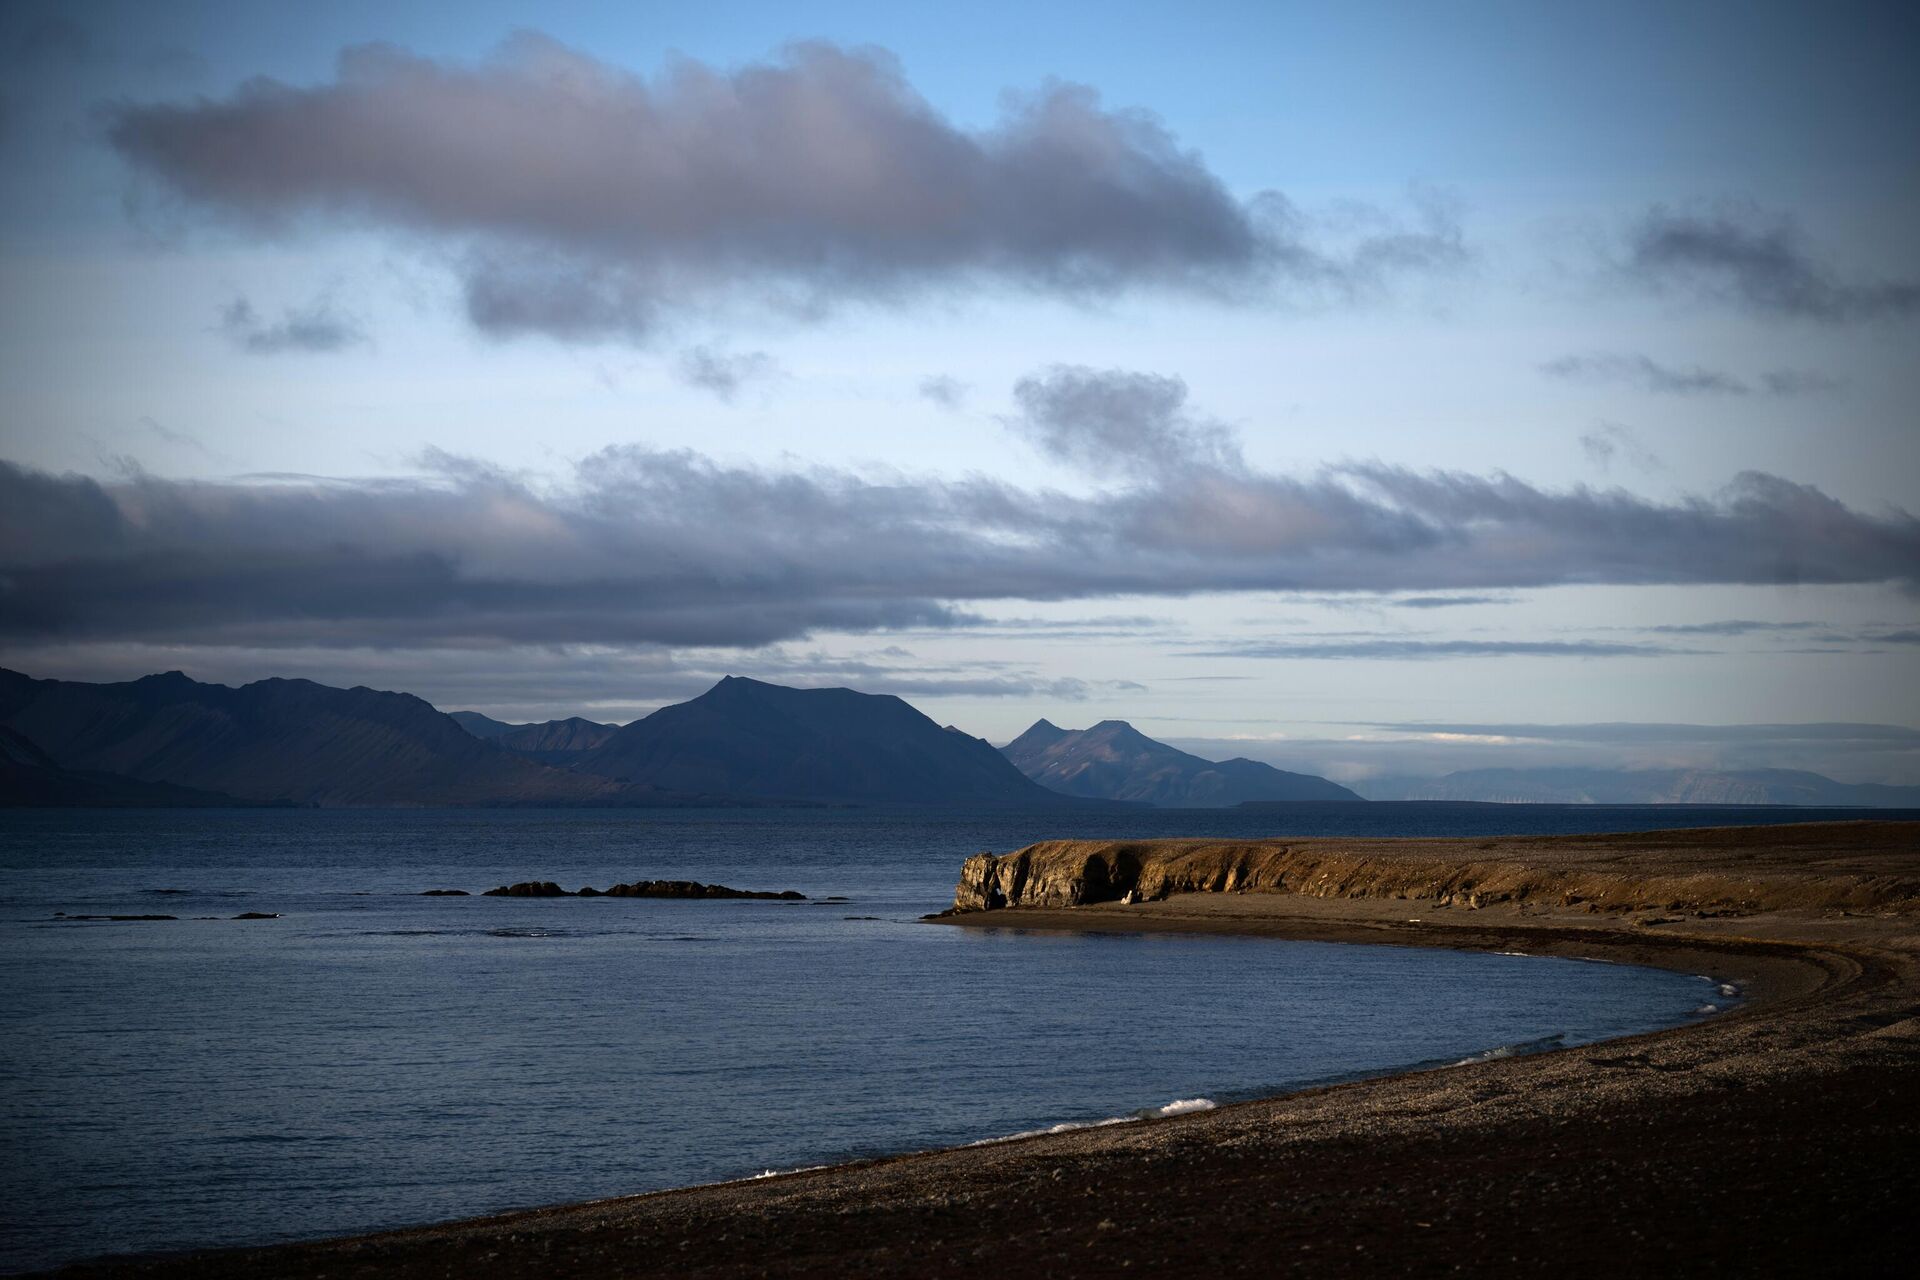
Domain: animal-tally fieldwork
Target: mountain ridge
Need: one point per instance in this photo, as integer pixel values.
(772, 742)
(555, 742)
(284, 741)
(1112, 760)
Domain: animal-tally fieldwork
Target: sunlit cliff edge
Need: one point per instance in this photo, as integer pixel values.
(1845, 866)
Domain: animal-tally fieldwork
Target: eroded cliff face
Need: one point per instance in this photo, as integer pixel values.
(1811, 866)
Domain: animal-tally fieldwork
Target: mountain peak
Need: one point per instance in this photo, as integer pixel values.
(1115, 761)
(773, 742)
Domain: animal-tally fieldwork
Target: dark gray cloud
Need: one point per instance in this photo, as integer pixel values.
(583, 201)
(1400, 650)
(727, 374)
(1117, 422)
(669, 547)
(944, 390)
(1759, 262)
(1645, 373)
(316, 328)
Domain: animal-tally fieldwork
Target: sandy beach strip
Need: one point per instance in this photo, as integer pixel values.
(1780, 1138)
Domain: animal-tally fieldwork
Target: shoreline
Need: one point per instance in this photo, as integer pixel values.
(1783, 1132)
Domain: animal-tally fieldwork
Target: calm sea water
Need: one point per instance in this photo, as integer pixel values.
(375, 1058)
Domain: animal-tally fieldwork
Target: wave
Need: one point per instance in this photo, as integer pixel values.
(1178, 1107)
(1518, 1049)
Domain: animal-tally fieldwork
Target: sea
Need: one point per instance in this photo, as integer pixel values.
(369, 1057)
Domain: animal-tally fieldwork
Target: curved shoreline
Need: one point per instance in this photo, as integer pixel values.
(1780, 1134)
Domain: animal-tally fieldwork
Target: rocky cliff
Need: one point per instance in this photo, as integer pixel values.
(1803, 866)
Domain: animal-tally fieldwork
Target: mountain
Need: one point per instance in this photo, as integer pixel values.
(29, 777)
(556, 742)
(766, 741)
(286, 741)
(1644, 786)
(486, 728)
(1115, 761)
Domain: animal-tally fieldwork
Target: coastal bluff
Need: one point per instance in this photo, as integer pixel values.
(1825, 866)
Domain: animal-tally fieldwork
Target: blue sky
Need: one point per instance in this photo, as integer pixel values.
(1260, 373)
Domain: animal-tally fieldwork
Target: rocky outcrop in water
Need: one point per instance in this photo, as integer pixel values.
(1803, 866)
(692, 889)
(641, 889)
(529, 889)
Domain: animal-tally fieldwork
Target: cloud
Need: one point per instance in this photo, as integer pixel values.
(1635, 370)
(1799, 382)
(1854, 752)
(943, 390)
(724, 374)
(316, 328)
(1759, 262)
(582, 201)
(639, 545)
(1628, 733)
(1642, 372)
(1730, 627)
(1404, 650)
(1447, 602)
(541, 682)
(1609, 440)
(1116, 422)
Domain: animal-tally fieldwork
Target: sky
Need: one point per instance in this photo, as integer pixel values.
(1368, 388)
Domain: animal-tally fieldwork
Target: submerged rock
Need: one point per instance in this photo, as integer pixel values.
(694, 889)
(258, 915)
(64, 916)
(528, 889)
(444, 893)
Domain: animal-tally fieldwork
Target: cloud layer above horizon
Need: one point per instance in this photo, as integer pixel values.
(643, 545)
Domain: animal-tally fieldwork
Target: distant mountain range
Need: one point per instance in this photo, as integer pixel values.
(1115, 761)
(1643, 786)
(281, 741)
(168, 740)
(558, 742)
(769, 742)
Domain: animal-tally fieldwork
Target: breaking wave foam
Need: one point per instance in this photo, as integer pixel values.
(1515, 1050)
(1178, 1107)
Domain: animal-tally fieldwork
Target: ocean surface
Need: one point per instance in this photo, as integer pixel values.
(373, 1058)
